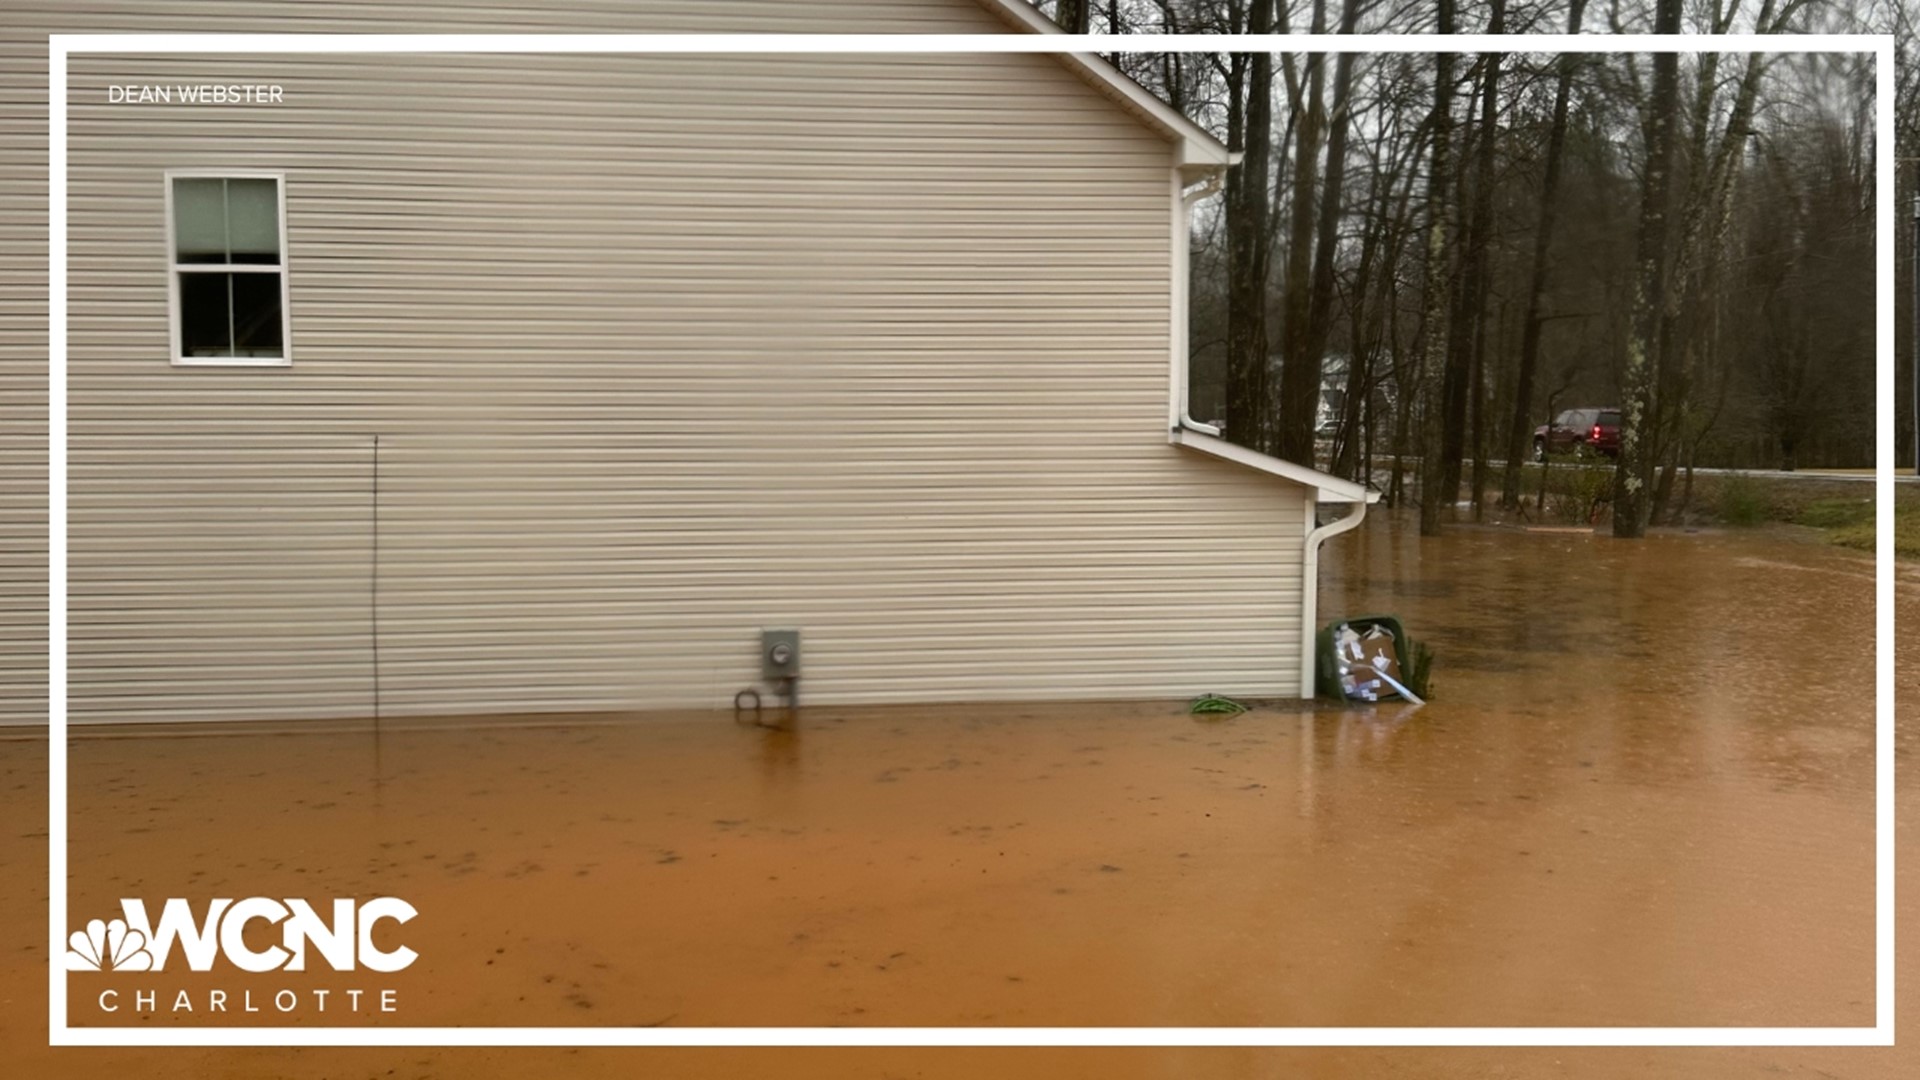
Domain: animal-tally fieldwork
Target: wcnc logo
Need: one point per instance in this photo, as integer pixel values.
(133, 943)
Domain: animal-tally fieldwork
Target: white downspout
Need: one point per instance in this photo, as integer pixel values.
(1183, 203)
(1310, 583)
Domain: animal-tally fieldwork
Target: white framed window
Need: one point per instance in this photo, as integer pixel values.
(227, 268)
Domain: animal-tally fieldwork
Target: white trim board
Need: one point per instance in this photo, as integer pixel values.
(1327, 487)
(1197, 146)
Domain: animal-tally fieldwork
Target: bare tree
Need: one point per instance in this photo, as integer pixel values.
(1358, 205)
(1522, 422)
(1300, 370)
(1249, 250)
(1434, 497)
(1632, 475)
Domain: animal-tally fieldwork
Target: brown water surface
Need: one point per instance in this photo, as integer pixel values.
(1642, 795)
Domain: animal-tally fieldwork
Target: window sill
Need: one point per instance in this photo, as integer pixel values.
(232, 361)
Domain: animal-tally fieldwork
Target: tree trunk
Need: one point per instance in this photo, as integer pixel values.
(1462, 317)
(1433, 496)
(1395, 231)
(1249, 404)
(1634, 473)
(1404, 384)
(1518, 441)
(1663, 489)
(1470, 310)
(1693, 281)
(1364, 327)
(1073, 15)
(1546, 468)
(1300, 368)
(1300, 383)
(1477, 401)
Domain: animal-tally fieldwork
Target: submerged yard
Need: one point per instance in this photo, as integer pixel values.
(1642, 796)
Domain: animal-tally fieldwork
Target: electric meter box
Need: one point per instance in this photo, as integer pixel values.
(779, 654)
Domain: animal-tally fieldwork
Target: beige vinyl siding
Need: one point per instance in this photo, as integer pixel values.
(23, 199)
(23, 444)
(23, 376)
(658, 351)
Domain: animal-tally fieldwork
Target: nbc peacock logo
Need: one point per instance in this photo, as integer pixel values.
(108, 946)
(342, 936)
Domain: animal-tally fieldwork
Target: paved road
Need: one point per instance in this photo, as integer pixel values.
(1900, 476)
(1860, 476)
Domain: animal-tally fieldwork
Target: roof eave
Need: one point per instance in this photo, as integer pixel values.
(1197, 152)
(1327, 487)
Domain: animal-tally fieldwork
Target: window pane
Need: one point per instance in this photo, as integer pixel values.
(204, 326)
(253, 220)
(199, 219)
(256, 315)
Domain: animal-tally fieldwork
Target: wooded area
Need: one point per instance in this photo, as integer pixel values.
(1424, 257)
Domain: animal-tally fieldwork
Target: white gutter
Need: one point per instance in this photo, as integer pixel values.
(1210, 186)
(1310, 584)
(1325, 486)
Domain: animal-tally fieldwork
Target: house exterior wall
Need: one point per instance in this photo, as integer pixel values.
(657, 351)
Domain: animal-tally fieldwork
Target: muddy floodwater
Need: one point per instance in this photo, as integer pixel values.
(1642, 795)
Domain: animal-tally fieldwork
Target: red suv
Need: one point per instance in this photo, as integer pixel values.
(1579, 431)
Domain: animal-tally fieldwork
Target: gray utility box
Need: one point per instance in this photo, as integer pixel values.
(779, 655)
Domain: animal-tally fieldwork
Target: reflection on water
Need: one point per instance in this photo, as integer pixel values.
(1642, 795)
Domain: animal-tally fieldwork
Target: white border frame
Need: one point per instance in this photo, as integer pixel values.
(61, 46)
(174, 269)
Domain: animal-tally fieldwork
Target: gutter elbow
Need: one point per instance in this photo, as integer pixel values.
(1208, 188)
(1345, 523)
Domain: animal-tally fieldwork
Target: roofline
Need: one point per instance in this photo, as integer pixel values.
(1198, 149)
(1328, 488)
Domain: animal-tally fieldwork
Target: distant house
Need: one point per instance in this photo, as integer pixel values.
(460, 384)
(1333, 393)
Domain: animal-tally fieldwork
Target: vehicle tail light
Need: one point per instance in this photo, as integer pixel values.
(1596, 433)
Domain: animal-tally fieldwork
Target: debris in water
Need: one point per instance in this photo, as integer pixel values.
(1371, 659)
(1215, 705)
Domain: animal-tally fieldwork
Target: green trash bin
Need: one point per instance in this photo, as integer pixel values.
(1326, 682)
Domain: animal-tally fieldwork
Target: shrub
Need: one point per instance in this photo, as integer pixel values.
(1577, 494)
(1744, 501)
